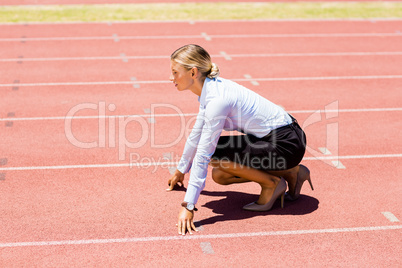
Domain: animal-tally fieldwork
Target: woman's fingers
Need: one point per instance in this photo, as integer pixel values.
(183, 228)
(172, 182)
(193, 226)
(186, 226)
(185, 222)
(175, 180)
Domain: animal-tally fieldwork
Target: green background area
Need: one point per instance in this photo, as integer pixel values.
(200, 11)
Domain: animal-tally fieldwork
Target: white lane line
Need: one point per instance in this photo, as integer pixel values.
(123, 57)
(135, 84)
(167, 163)
(391, 217)
(87, 38)
(198, 237)
(206, 248)
(222, 54)
(84, 58)
(253, 81)
(324, 151)
(147, 112)
(201, 36)
(87, 83)
(362, 77)
(247, 21)
(338, 164)
(206, 36)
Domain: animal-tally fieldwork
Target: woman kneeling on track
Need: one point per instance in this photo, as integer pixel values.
(269, 153)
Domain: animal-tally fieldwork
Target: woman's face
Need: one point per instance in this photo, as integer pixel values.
(181, 78)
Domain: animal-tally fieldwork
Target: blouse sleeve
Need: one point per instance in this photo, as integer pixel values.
(214, 119)
(191, 144)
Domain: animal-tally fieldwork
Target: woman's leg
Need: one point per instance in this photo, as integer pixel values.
(225, 172)
(224, 178)
(300, 172)
(295, 178)
(290, 175)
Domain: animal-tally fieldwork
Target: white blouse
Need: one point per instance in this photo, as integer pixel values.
(224, 105)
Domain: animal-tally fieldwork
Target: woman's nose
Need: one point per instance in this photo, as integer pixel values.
(171, 77)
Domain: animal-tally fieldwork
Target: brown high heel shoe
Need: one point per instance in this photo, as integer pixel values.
(299, 183)
(279, 191)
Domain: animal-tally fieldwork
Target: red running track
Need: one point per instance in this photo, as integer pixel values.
(66, 206)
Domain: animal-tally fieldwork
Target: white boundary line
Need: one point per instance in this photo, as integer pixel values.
(361, 77)
(202, 21)
(190, 114)
(198, 237)
(200, 36)
(222, 55)
(102, 58)
(167, 164)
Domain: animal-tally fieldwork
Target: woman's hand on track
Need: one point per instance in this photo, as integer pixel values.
(185, 222)
(177, 178)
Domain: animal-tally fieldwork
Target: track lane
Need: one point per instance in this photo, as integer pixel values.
(157, 69)
(102, 196)
(110, 203)
(149, 48)
(80, 191)
(281, 27)
(51, 102)
(55, 143)
(343, 249)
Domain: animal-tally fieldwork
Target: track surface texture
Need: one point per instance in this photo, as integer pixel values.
(91, 128)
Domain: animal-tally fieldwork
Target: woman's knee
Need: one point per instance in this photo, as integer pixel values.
(219, 176)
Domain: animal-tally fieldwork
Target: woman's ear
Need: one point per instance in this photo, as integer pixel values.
(194, 72)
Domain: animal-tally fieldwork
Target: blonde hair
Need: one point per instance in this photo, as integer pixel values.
(190, 56)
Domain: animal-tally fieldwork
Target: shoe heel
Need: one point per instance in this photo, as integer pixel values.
(311, 184)
(279, 191)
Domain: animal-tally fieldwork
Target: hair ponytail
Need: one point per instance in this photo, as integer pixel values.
(190, 56)
(214, 71)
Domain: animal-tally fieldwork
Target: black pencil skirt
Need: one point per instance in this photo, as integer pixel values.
(283, 148)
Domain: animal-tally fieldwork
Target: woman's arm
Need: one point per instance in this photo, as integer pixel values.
(215, 117)
(188, 152)
(191, 143)
(214, 121)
